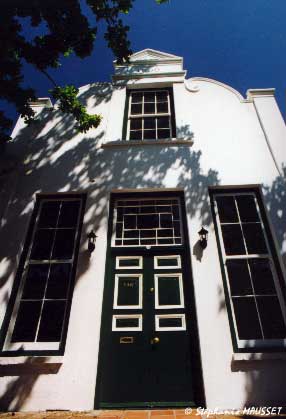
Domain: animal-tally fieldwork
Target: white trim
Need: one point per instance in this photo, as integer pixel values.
(138, 328)
(178, 266)
(180, 283)
(139, 258)
(140, 290)
(171, 328)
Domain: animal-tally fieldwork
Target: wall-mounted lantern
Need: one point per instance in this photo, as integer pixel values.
(91, 241)
(203, 233)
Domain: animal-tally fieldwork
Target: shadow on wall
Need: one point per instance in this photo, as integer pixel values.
(265, 378)
(53, 158)
(19, 389)
(275, 198)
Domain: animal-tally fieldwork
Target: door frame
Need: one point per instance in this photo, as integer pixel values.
(198, 385)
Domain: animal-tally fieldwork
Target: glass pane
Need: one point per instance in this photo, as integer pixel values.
(239, 278)
(49, 214)
(136, 109)
(176, 212)
(254, 238)
(131, 234)
(169, 290)
(149, 134)
(149, 96)
(166, 220)
(27, 321)
(163, 133)
(262, 277)
(131, 210)
(149, 123)
(165, 241)
(167, 232)
(226, 209)
(42, 245)
(147, 242)
(119, 214)
(247, 208)
(162, 107)
(271, 318)
(167, 261)
(232, 238)
(127, 322)
(163, 122)
(135, 135)
(148, 221)
(51, 321)
(170, 322)
(35, 283)
(129, 221)
(64, 244)
(136, 97)
(246, 318)
(131, 262)
(128, 291)
(119, 227)
(136, 123)
(146, 209)
(177, 228)
(58, 281)
(149, 107)
(147, 233)
(162, 96)
(69, 214)
(130, 242)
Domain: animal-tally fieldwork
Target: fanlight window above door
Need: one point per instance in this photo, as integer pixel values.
(148, 222)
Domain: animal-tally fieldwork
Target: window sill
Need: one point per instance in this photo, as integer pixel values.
(30, 365)
(258, 356)
(125, 143)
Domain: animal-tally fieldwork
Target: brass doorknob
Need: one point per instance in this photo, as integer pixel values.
(155, 340)
(151, 289)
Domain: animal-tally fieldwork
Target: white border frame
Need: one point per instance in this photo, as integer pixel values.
(178, 266)
(139, 328)
(170, 316)
(115, 298)
(180, 279)
(118, 258)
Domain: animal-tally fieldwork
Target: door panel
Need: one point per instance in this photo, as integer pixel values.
(148, 339)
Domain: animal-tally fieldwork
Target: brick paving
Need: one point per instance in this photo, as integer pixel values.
(120, 414)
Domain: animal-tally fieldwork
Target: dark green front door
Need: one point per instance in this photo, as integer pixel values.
(149, 349)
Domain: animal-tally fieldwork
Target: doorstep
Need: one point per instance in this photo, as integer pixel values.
(125, 414)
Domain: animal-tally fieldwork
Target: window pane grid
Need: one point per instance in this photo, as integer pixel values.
(148, 222)
(152, 108)
(249, 268)
(47, 277)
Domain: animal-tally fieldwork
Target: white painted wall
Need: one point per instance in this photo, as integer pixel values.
(229, 148)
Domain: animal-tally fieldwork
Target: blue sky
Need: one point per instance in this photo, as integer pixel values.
(239, 42)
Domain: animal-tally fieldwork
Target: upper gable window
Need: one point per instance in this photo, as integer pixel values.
(150, 115)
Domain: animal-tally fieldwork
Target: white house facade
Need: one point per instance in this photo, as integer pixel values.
(109, 296)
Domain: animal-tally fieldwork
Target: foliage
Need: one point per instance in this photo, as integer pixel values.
(65, 30)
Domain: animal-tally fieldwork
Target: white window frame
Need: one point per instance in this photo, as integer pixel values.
(177, 257)
(181, 291)
(149, 115)
(140, 290)
(119, 258)
(249, 343)
(139, 328)
(159, 328)
(38, 346)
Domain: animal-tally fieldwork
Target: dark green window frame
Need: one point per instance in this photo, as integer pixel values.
(24, 292)
(252, 293)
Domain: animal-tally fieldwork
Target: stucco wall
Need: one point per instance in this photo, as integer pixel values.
(229, 148)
